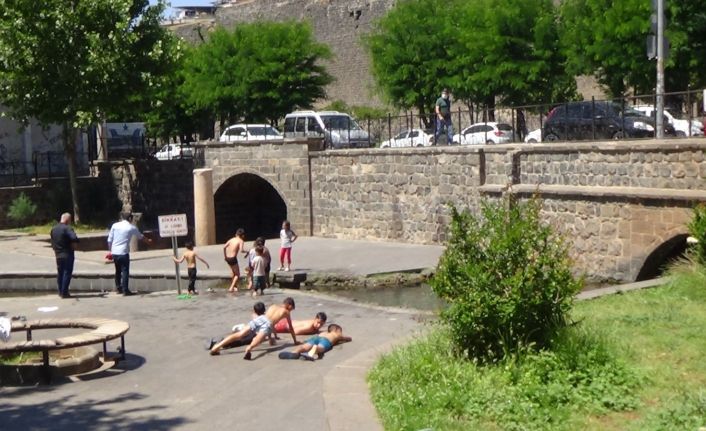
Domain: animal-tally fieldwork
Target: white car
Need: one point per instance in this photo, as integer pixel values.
(250, 132)
(175, 151)
(681, 127)
(410, 138)
(534, 136)
(485, 133)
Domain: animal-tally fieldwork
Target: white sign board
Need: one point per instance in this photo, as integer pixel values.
(173, 225)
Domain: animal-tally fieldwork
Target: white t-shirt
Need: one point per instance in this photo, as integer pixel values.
(286, 237)
(258, 266)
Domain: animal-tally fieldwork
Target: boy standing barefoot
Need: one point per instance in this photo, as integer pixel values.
(190, 256)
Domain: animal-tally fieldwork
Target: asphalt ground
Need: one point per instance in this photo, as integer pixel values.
(169, 381)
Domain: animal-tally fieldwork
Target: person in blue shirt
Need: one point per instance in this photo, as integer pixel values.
(63, 241)
(442, 109)
(119, 245)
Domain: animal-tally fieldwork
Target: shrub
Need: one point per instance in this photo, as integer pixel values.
(507, 279)
(22, 209)
(697, 229)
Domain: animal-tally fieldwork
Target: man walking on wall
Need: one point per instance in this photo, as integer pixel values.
(443, 118)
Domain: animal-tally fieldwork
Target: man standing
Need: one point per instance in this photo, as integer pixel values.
(231, 249)
(443, 118)
(63, 241)
(119, 245)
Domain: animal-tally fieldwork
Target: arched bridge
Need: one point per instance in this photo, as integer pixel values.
(623, 205)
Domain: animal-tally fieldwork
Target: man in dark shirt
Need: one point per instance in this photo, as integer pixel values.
(442, 109)
(63, 241)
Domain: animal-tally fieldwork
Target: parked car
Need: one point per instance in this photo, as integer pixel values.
(175, 151)
(534, 136)
(338, 129)
(681, 126)
(250, 132)
(485, 133)
(579, 120)
(410, 138)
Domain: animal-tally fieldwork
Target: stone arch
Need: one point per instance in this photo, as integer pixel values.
(656, 262)
(249, 201)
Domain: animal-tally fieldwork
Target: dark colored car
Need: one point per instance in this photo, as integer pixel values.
(597, 120)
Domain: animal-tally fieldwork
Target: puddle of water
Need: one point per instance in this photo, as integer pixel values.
(415, 297)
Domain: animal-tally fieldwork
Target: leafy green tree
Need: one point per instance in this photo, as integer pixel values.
(483, 50)
(72, 62)
(506, 278)
(508, 50)
(259, 71)
(607, 38)
(410, 51)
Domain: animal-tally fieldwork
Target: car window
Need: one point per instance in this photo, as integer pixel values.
(414, 134)
(339, 122)
(575, 110)
(504, 127)
(231, 132)
(313, 126)
(300, 125)
(401, 135)
(263, 131)
(474, 129)
(289, 125)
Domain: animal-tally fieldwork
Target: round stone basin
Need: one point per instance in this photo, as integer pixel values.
(62, 363)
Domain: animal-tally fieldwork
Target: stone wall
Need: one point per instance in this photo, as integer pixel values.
(392, 194)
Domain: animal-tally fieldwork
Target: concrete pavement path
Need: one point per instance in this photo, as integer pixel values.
(170, 382)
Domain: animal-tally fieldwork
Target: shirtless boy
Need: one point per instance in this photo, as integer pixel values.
(318, 344)
(234, 246)
(302, 327)
(190, 256)
(262, 327)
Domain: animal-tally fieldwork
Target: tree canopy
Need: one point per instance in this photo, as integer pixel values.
(257, 72)
(482, 49)
(71, 62)
(607, 38)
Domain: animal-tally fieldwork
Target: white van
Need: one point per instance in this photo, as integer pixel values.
(338, 129)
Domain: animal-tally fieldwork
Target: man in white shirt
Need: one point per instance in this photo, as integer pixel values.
(119, 245)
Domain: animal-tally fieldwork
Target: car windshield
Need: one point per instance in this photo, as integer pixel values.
(263, 131)
(334, 122)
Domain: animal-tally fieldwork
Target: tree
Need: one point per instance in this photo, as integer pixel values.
(259, 71)
(508, 51)
(410, 51)
(483, 50)
(607, 38)
(72, 62)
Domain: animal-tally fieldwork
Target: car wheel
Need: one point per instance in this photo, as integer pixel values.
(489, 142)
(551, 137)
(618, 135)
(681, 134)
(420, 145)
(532, 141)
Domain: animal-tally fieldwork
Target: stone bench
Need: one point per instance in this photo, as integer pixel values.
(101, 331)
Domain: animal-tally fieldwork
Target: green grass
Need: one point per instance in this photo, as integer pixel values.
(634, 361)
(20, 358)
(44, 229)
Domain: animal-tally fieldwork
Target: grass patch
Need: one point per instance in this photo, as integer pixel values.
(20, 358)
(45, 229)
(633, 362)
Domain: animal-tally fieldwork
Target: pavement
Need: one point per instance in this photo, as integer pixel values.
(169, 381)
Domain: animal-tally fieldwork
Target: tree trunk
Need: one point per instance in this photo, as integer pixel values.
(69, 135)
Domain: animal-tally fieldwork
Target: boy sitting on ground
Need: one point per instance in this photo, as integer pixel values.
(262, 327)
(318, 344)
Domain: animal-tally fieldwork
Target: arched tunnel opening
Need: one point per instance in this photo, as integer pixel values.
(248, 201)
(658, 261)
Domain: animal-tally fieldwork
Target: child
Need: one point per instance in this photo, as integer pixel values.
(190, 256)
(318, 344)
(288, 237)
(258, 271)
(302, 327)
(258, 310)
(262, 327)
(260, 241)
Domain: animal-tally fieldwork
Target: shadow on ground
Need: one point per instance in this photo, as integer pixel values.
(68, 413)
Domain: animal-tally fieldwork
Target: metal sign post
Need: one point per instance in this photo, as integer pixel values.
(174, 225)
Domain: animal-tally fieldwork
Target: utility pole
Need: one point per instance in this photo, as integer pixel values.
(659, 89)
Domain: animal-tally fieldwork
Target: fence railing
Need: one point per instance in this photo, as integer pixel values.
(51, 164)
